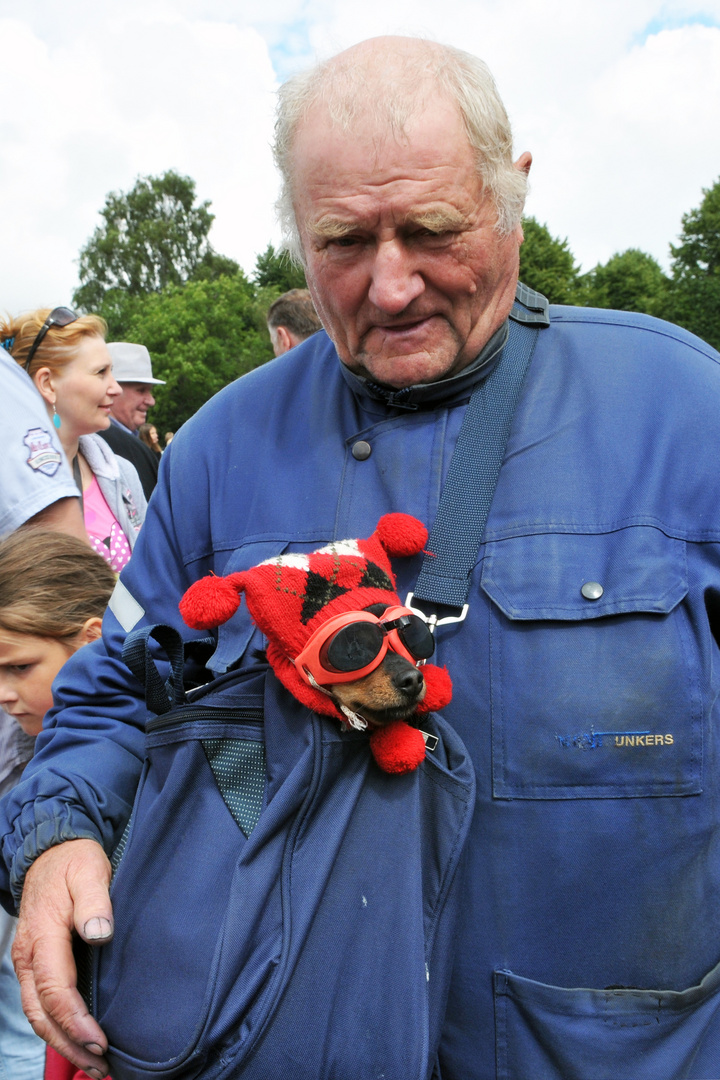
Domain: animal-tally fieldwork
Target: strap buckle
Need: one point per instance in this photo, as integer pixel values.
(432, 618)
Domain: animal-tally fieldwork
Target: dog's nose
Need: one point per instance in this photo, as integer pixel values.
(409, 681)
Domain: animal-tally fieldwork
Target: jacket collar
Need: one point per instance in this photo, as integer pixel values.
(431, 395)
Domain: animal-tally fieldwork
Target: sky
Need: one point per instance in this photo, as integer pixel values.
(618, 101)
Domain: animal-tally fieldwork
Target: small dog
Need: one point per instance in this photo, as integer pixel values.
(391, 692)
(338, 636)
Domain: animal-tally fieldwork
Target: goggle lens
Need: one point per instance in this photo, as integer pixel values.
(353, 647)
(356, 645)
(415, 636)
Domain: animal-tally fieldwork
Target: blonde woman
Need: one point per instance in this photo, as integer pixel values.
(66, 357)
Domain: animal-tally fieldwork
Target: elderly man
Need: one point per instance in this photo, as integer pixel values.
(585, 670)
(132, 367)
(291, 319)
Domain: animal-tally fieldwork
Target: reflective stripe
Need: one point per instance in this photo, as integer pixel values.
(125, 607)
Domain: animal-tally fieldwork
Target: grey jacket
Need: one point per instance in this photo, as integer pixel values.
(119, 482)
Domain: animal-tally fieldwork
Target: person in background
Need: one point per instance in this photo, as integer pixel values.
(132, 368)
(36, 484)
(291, 319)
(69, 363)
(36, 489)
(147, 433)
(169, 436)
(53, 592)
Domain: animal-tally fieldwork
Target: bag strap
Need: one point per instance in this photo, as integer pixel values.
(161, 695)
(467, 494)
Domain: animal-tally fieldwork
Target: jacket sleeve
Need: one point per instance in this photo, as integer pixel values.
(82, 780)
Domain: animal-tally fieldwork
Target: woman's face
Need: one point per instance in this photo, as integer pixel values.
(153, 435)
(85, 389)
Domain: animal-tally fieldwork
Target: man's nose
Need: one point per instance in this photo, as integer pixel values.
(395, 281)
(149, 400)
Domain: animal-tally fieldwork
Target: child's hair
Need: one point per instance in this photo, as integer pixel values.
(51, 584)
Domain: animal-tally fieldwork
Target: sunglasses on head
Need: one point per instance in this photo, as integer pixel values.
(351, 645)
(59, 316)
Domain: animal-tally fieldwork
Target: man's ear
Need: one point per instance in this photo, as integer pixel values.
(286, 341)
(524, 162)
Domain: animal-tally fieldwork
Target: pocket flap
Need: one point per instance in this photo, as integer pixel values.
(569, 576)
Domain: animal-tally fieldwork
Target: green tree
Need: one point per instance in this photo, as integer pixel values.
(696, 269)
(276, 270)
(629, 281)
(201, 335)
(152, 236)
(547, 264)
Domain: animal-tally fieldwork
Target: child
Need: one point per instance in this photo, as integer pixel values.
(53, 592)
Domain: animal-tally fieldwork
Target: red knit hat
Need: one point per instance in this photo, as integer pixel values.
(290, 596)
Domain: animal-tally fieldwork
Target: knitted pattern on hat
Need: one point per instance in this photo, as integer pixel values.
(291, 595)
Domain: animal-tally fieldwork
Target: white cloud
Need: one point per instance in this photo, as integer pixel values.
(139, 95)
(616, 99)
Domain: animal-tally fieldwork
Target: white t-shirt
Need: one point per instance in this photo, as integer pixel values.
(34, 472)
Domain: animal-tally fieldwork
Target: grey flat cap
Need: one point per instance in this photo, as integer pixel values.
(131, 363)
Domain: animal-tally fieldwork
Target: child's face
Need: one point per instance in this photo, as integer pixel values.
(28, 666)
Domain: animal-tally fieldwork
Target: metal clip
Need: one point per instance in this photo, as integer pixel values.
(431, 741)
(432, 620)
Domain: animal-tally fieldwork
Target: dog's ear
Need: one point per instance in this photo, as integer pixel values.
(212, 600)
(401, 534)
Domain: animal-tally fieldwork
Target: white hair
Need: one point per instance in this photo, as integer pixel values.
(391, 91)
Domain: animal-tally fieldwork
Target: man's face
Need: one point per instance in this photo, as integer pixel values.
(132, 405)
(407, 271)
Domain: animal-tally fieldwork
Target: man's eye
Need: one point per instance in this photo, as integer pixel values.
(346, 241)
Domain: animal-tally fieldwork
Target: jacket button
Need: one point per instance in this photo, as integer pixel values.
(592, 590)
(361, 450)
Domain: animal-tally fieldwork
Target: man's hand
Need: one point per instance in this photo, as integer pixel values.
(65, 889)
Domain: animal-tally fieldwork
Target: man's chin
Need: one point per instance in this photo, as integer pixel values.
(402, 371)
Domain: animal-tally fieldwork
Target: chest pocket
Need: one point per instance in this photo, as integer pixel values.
(593, 667)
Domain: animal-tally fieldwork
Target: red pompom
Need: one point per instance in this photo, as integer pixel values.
(397, 748)
(401, 534)
(438, 688)
(211, 601)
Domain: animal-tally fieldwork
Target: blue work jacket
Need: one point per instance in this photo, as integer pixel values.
(585, 674)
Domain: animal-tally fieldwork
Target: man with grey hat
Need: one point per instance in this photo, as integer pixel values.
(132, 368)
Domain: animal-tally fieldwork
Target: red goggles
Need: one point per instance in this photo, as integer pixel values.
(353, 644)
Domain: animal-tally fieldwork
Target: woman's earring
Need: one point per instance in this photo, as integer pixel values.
(56, 419)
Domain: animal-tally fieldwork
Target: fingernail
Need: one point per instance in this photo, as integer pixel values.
(96, 1073)
(97, 929)
(94, 1049)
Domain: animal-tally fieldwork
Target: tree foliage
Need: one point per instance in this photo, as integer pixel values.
(150, 271)
(547, 264)
(696, 269)
(151, 237)
(201, 335)
(629, 281)
(276, 270)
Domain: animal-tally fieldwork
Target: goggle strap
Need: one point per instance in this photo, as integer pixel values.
(352, 719)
